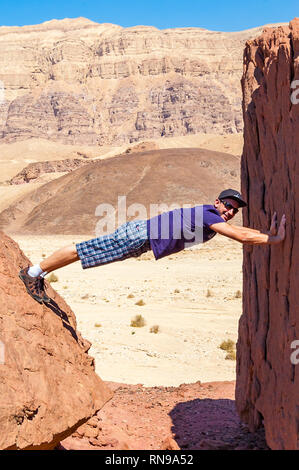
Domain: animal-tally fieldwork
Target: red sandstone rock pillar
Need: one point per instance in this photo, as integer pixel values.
(267, 390)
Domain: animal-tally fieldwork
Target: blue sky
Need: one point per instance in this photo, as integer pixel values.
(230, 15)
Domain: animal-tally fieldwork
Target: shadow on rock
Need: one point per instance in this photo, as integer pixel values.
(213, 425)
(60, 313)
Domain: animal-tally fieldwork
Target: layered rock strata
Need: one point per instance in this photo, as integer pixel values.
(267, 362)
(79, 82)
(48, 386)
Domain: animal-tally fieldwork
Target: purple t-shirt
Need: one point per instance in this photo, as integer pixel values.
(175, 230)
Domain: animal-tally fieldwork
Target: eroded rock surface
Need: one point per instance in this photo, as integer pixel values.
(267, 379)
(79, 82)
(48, 386)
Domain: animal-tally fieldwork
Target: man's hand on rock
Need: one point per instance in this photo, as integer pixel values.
(273, 228)
(282, 229)
(281, 232)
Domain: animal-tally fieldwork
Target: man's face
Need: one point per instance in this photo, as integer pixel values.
(226, 207)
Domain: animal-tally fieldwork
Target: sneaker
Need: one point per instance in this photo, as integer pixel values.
(35, 286)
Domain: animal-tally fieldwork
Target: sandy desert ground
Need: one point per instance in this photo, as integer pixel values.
(193, 296)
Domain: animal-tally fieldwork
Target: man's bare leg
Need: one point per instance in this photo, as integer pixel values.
(60, 258)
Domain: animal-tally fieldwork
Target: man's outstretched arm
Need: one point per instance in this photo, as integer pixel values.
(250, 236)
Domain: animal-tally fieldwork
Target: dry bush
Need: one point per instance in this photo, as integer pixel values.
(231, 356)
(140, 303)
(52, 278)
(154, 329)
(238, 294)
(227, 345)
(138, 321)
(230, 347)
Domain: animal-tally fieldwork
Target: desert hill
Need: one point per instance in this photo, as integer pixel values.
(78, 82)
(67, 205)
(15, 156)
(22, 155)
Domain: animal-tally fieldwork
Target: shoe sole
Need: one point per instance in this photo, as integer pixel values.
(38, 299)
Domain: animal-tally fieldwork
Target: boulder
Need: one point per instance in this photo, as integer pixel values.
(48, 386)
(267, 371)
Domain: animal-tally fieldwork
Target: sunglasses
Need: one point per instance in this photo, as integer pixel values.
(229, 206)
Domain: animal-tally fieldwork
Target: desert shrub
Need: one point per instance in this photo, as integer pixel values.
(230, 347)
(209, 293)
(138, 321)
(140, 302)
(97, 325)
(231, 356)
(227, 345)
(154, 329)
(52, 278)
(238, 294)
(130, 296)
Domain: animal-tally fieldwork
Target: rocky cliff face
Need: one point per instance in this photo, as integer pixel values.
(267, 374)
(76, 81)
(48, 386)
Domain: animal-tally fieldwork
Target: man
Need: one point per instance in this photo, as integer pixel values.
(164, 234)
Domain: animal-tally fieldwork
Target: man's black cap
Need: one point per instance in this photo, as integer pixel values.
(232, 194)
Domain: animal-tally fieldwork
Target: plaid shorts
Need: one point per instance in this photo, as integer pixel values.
(130, 239)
